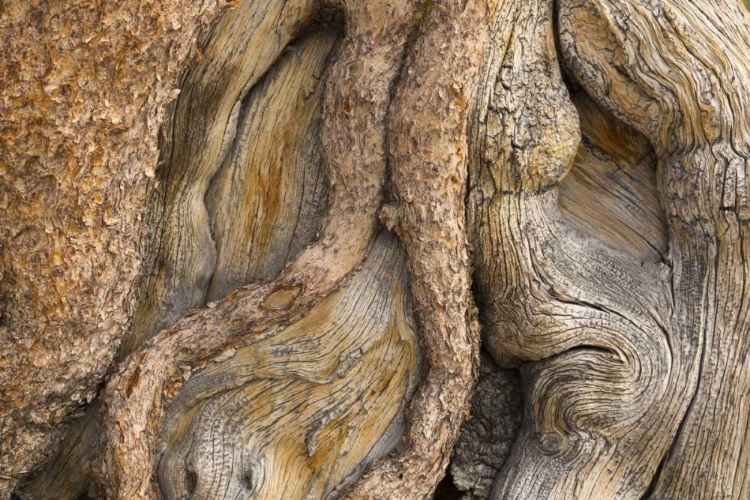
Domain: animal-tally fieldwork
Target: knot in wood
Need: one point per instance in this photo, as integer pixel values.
(282, 297)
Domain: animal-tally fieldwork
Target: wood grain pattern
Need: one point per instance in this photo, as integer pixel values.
(267, 199)
(610, 192)
(679, 73)
(295, 414)
(586, 320)
(354, 153)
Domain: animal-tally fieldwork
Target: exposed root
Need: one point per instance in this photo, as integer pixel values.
(428, 144)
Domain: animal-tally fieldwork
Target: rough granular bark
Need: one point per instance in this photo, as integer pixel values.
(488, 434)
(84, 89)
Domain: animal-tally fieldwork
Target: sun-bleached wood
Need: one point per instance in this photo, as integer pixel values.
(610, 192)
(587, 320)
(266, 201)
(679, 73)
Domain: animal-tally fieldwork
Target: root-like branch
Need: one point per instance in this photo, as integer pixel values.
(428, 144)
(353, 136)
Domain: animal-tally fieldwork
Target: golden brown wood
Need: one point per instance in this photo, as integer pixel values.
(301, 412)
(600, 201)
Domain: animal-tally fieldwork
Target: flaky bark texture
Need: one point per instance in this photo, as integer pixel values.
(283, 291)
(84, 90)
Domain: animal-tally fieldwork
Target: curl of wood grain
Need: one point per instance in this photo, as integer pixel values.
(295, 414)
(353, 138)
(587, 319)
(609, 194)
(679, 73)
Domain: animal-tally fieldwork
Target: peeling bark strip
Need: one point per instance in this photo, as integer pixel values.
(84, 88)
(589, 319)
(679, 73)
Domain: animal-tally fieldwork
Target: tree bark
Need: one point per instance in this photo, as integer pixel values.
(250, 252)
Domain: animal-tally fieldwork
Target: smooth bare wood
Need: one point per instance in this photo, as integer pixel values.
(242, 47)
(610, 192)
(266, 201)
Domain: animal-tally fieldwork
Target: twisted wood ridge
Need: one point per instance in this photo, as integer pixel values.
(688, 93)
(353, 132)
(584, 162)
(613, 343)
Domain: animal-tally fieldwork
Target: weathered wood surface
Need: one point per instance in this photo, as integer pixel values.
(603, 214)
(299, 413)
(589, 319)
(679, 73)
(356, 101)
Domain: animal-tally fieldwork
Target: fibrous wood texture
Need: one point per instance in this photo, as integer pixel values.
(298, 413)
(678, 72)
(586, 160)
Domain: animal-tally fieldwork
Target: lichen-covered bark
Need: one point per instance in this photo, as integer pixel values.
(84, 90)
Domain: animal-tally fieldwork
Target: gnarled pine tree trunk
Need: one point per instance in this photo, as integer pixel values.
(251, 250)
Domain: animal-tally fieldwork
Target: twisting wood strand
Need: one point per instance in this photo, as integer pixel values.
(588, 320)
(679, 73)
(356, 100)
